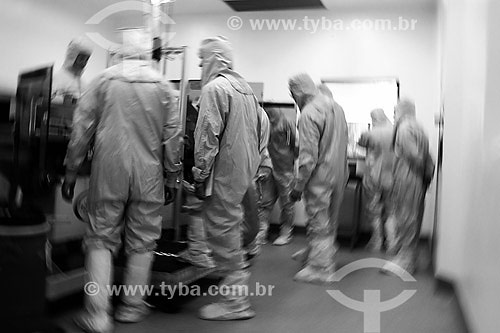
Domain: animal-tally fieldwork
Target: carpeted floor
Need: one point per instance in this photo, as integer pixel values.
(298, 307)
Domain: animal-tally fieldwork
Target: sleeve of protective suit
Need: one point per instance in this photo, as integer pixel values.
(171, 141)
(411, 147)
(214, 105)
(309, 133)
(84, 126)
(265, 158)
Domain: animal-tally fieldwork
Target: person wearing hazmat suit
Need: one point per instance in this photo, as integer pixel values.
(377, 179)
(265, 188)
(67, 85)
(413, 171)
(130, 115)
(283, 153)
(226, 162)
(322, 175)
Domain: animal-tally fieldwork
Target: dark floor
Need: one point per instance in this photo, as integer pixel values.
(298, 307)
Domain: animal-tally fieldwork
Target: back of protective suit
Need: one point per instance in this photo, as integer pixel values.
(132, 113)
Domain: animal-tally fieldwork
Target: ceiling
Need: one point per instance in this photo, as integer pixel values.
(218, 6)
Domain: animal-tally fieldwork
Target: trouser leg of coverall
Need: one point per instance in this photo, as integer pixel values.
(261, 238)
(198, 252)
(391, 240)
(407, 218)
(223, 220)
(374, 207)
(322, 208)
(377, 239)
(102, 239)
(137, 274)
(142, 230)
(284, 186)
(98, 263)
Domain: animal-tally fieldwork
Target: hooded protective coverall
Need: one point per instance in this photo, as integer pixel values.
(283, 153)
(66, 83)
(413, 171)
(322, 176)
(130, 114)
(377, 180)
(226, 150)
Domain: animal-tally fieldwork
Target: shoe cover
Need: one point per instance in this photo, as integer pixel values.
(283, 239)
(129, 314)
(96, 317)
(197, 259)
(94, 324)
(285, 236)
(137, 274)
(310, 274)
(398, 268)
(235, 303)
(301, 255)
(222, 311)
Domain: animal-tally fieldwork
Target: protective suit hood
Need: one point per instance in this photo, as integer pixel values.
(133, 71)
(379, 118)
(237, 82)
(216, 56)
(405, 109)
(303, 89)
(323, 88)
(76, 47)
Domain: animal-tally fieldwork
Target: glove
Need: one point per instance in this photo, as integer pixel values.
(199, 190)
(169, 194)
(295, 195)
(68, 189)
(263, 173)
(68, 186)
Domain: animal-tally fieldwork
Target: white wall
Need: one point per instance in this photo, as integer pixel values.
(36, 33)
(273, 56)
(469, 232)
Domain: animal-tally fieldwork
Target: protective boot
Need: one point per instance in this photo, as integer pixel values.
(399, 267)
(285, 236)
(137, 274)
(96, 318)
(314, 274)
(235, 304)
(301, 255)
(255, 246)
(377, 239)
(197, 253)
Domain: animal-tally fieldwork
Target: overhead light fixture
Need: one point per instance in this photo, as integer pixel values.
(265, 5)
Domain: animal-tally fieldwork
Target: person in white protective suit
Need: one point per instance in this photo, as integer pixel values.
(377, 178)
(226, 152)
(322, 175)
(129, 113)
(413, 171)
(67, 85)
(265, 188)
(283, 152)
